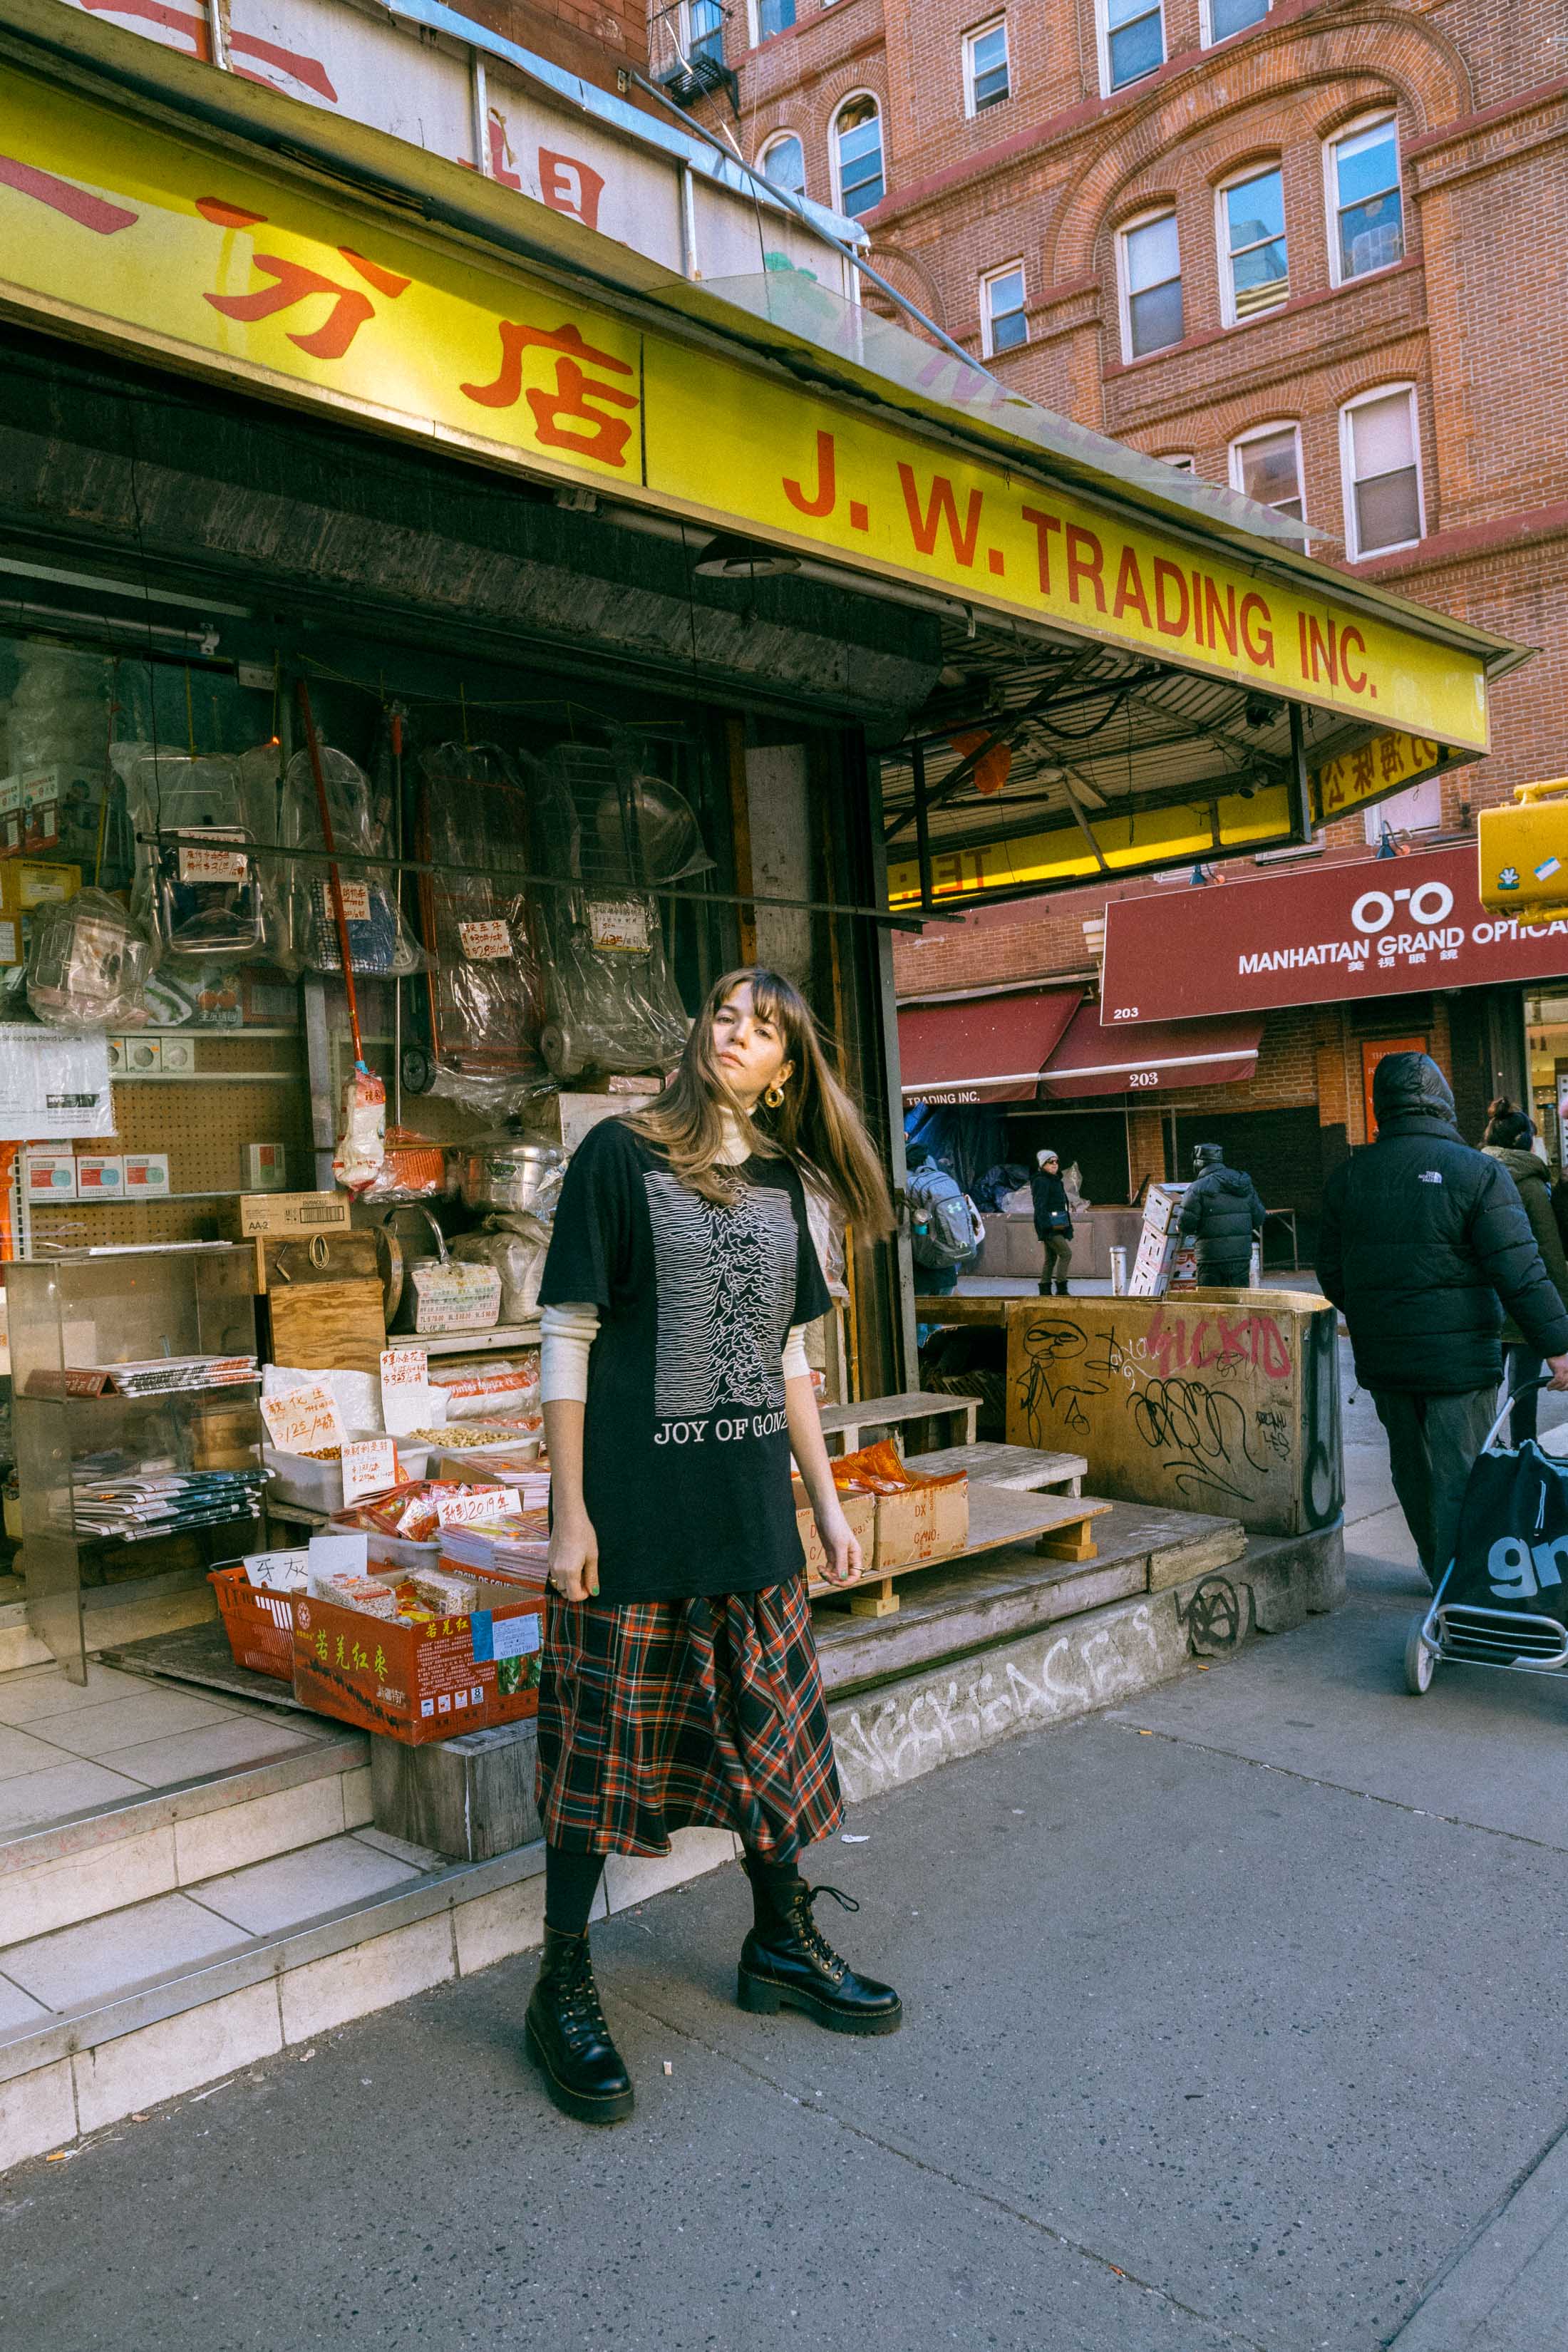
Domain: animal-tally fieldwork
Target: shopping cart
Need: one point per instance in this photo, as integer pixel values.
(1525, 1560)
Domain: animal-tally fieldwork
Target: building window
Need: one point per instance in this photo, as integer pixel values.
(704, 31)
(773, 16)
(1266, 466)
(1134, 34)
(987, 81)
(857, 151)
(1178, 465)
(1381, 461)
(1221, 18)
(1252, 239)
(1364, 200)
(783, 160)
(1004, 320)
(1152, 285)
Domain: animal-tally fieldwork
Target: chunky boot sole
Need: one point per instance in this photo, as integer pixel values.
(581, 2105)
(765, 1999)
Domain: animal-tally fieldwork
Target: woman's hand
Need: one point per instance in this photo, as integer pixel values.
(574, 1569)
(841, 1545)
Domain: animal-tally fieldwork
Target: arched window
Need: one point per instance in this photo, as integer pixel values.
(783, 160)
(1364, 200)
(1380, 452)
(857, 155)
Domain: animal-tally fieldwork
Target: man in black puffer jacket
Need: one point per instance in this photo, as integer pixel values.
(1223, 1212)
(1419, 1239)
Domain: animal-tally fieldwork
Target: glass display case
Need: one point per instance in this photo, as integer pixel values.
(136, 1387)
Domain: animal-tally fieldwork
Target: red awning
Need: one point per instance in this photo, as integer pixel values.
(1150, 1056)
(981, 1049)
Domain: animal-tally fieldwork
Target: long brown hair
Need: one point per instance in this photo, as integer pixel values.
(817, 1125)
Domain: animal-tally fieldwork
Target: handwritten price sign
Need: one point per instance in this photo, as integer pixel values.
(404, 1389)
(370, 1468)
(475, 1503)
(303, 1421)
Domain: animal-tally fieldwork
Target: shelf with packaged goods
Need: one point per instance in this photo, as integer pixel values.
(470, 1343)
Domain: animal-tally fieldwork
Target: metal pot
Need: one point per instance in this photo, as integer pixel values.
(502, 1174)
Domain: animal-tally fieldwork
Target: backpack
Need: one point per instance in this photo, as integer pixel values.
(953, 1226)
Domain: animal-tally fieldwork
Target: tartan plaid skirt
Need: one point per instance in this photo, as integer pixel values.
(661, 1715)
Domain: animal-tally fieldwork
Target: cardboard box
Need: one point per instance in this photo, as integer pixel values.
(927, 1521)
(100, 1176)
(419, 1682)
(860, 1510)
(292, 1213)
(49, 1175)
(147, 1173)
(565, 1119)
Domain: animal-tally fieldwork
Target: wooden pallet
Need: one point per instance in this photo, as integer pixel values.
(850, 1421)
(1058, 1525)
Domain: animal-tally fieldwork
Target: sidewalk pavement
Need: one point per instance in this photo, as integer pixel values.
(1232, 2026)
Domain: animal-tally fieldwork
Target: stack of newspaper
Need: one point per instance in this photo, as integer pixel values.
(513, 1546)
(128, 1509)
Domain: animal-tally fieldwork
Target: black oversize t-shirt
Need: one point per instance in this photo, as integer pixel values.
(686, 1450)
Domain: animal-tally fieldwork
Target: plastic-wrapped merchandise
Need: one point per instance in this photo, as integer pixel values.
(360, 1150)
(58, 751)
(195, 899)
(610, 997)
(486, 1000)
(88, 965)
(516, 1244)
(378, 938)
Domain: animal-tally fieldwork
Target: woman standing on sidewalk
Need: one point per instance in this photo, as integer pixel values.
(680, 1681)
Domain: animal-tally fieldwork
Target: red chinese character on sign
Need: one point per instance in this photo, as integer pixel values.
(294, 282)
(61, 196)
(1332, 783)
(601, 436)
(1390, 759)
(1361, 768)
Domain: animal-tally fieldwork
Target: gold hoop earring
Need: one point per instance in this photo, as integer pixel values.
(774, 1096)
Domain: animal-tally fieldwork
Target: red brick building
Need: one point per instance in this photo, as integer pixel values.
(1314, 250)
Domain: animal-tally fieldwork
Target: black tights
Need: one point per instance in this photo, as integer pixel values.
(572, 1881)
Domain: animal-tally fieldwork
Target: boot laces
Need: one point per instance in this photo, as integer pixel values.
(580, 1999)
(832, 1963)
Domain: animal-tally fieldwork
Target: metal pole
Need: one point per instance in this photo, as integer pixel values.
(922, 824)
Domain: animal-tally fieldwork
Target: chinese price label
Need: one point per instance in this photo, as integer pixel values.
(204, 864)
(488, 942)
(475, 1503)
(404, 1389)
(370, 1468)
(618, 926)
(303, 1421)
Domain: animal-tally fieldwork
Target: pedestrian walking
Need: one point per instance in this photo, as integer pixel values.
(1053, 1223)
(945, 1227)
(680, 1681)
(1510, 1139)
(1221, 1211)
(1420, 1237)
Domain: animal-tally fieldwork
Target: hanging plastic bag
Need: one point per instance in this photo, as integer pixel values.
(89, 964)
(195, 899)
(485, 997)
(362, 1141)
(378, 938)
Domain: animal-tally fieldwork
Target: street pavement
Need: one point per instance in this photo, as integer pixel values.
(1233, 2026)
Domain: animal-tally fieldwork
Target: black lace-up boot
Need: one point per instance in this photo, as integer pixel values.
(568, 2039)
(786, 1962)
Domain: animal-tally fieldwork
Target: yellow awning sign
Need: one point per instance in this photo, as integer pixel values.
(1385, 764)
(135, 235)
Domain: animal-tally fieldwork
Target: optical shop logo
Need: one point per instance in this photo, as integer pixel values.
(1391, 927)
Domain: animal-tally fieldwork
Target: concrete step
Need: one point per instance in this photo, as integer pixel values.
(55, 1874)
(169, 1995)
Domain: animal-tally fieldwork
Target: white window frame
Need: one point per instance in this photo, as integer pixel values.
(687, 35)
(1102, 37)
(988, 278)
(1123, 283)
(1207, 39)
(776, 139)
(1238, 179)
(1178, 460)
(1367, 122)
(852, 97)
(997, 24)
(1347, 475)
(1265, 432)
(753, 22)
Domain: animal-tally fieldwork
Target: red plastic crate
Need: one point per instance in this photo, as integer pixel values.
(259, 1625)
